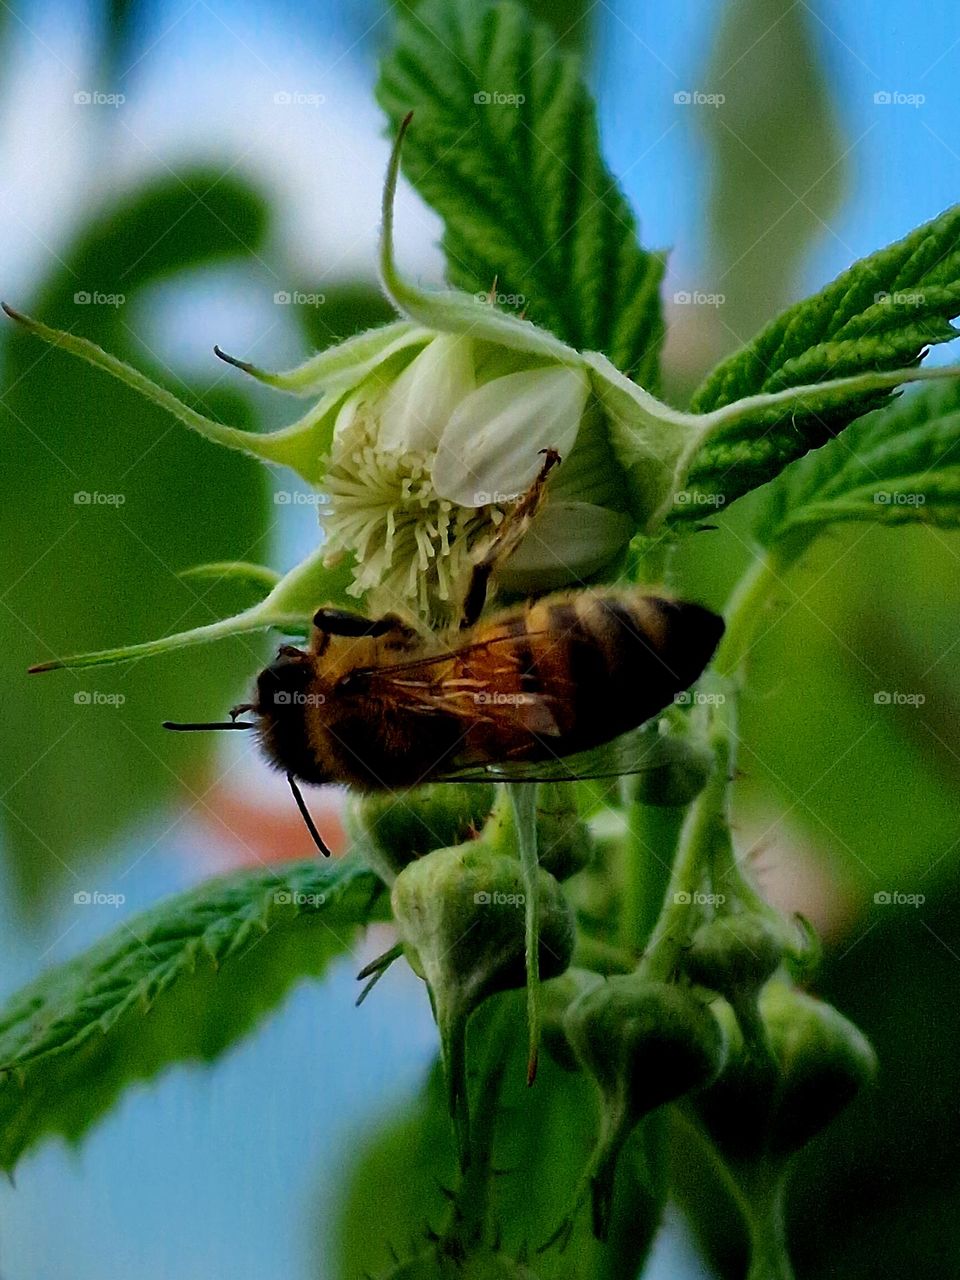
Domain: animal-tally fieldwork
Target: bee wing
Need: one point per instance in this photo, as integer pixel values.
(640, 751)
(430, 686)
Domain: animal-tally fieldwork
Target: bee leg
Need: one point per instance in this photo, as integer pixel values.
(506, 542)
(305, 814)
(340, 622)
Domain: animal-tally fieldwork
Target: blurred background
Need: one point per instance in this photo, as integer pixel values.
(178, 174)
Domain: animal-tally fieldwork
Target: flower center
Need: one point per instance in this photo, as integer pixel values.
(411, 547)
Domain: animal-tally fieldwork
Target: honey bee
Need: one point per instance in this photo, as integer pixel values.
(378, 705)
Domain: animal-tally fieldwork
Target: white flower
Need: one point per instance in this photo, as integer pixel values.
(425, 431)
(421, 471)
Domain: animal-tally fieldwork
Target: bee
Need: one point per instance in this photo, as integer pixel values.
(520, 694)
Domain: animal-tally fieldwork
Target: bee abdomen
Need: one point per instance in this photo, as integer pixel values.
(617, 659)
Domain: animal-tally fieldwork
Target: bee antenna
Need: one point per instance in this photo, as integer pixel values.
(209, 726)
(305, 814)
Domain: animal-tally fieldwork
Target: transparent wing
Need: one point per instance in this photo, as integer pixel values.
(642, 750)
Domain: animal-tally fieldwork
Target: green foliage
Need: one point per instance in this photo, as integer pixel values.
(898, 465)
(880, 314)
(525, 196)
(543, 1138)
(75, 574)
(526, 199)
(182, 981)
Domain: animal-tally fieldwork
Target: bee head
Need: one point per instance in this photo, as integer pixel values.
(286, 693)
(283, 697)
(283, 687)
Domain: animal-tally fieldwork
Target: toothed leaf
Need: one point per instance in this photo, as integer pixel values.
(180, 982)
(518, 178)
(898, 465)
(881, 314)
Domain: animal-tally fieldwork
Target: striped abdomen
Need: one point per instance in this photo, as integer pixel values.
(598, 662)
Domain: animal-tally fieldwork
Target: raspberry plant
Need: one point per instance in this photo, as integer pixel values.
(699, 1022)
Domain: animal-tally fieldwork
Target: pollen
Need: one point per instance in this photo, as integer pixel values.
(412, 549)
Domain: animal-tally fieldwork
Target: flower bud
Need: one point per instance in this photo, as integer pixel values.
(770, 1110)
(645, 1043)
(564, 843)
(735, 955)
(396, 829)
(557, 996)
(460, 914)
(679, 774)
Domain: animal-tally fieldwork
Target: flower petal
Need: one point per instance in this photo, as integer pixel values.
(567, 542)
(418, 405)
(492, 442)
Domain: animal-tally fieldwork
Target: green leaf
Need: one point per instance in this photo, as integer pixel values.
(881, 314)
(180, 982)
(543, 1137)
(896, 466)
(79, 575)
(522, 188)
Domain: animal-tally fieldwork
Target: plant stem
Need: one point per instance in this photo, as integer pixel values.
(704, 841)
(769, 1259)
(524, 801)
(744, 611)
(649, 848)
(678, 915)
